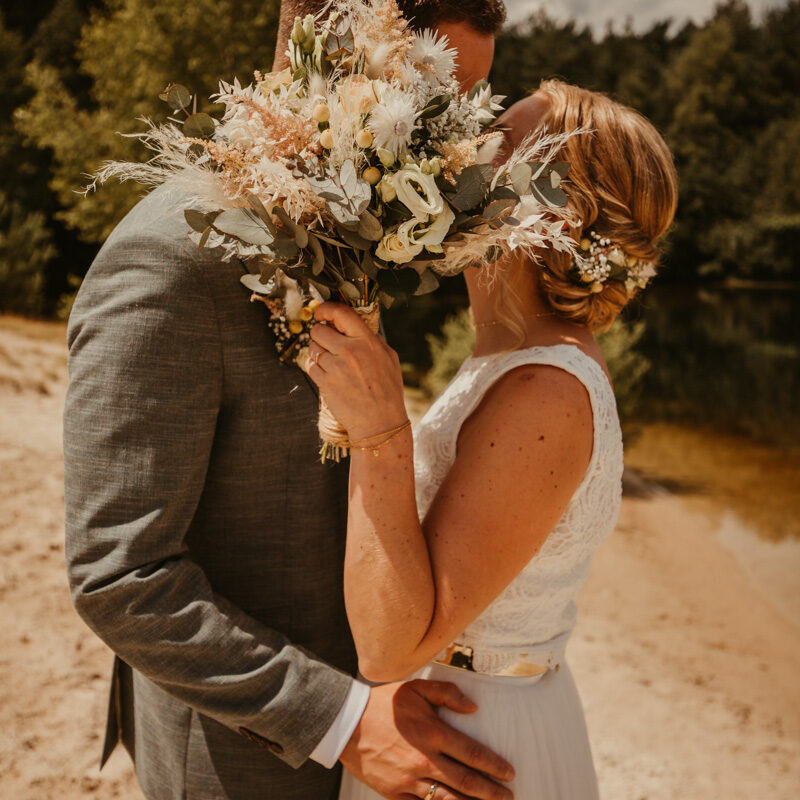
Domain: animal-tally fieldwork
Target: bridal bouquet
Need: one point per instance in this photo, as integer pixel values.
(361, 174)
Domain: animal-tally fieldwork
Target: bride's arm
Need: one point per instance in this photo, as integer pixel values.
(410, 590)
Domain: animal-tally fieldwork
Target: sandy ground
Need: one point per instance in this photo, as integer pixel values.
(688, 669)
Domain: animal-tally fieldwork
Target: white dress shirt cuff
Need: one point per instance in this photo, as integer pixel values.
(330, 747)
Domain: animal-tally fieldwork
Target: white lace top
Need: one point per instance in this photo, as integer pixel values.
(538, 605)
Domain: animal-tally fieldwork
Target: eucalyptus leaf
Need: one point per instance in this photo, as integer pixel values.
(245, 225)
(428, 282)
(368, 265)
(398, 283)
(350, 291)
(497, 208)
(196, 220)
(323, 184)
(352, 268)
(361, 196)
(538, 168)
(285, 247)
(324, 291)
(436, 106)
(354, 239)
(521, 176)
(369, 227)
(506, 192)
(343, 215)
(328, 240)
(547, 194)
(298, 231)
(262, 212)
(348, 178)
(335, 197)
(268, 270)
(300, 273)
(255, 284)
(472, 222)
(471, 185)
(199, 126)
(176, 96)
(318, 263)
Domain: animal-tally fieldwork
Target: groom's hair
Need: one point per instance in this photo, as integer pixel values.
(484, 16)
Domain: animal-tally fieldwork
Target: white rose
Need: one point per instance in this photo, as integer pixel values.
(418, 192)
(393, 248)
(430, 233)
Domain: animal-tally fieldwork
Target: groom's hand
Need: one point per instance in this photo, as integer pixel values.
(401, 746)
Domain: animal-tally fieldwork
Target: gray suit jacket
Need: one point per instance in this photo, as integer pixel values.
(205, 540)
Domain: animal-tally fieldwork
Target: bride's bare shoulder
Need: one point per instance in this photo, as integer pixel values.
(533, 405)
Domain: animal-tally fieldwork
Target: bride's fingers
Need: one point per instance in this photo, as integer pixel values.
(342, 318)
(315, 351)
(329, 338)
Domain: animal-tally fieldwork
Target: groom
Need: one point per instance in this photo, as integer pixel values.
(205, 540)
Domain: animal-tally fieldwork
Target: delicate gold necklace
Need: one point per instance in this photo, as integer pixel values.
(491, 322)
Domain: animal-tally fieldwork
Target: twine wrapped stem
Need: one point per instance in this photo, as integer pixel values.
(335, 442)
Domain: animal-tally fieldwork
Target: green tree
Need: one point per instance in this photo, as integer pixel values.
(25, 241)
(25, 250)
(129, 50)
(543, 48)
(715, 86)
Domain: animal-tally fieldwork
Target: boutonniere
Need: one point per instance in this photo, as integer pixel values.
(291, 314)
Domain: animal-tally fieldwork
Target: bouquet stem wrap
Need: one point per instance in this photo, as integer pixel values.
(335, 442)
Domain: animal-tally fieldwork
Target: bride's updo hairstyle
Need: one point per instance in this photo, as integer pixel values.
(622, 186)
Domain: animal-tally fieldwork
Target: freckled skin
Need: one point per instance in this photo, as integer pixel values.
(433, 575)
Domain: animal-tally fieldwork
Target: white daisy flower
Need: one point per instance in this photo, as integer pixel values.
(432, 57)
(393, 120)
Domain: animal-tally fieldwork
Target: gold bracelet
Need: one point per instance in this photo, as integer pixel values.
(391, 436)
(382, 433)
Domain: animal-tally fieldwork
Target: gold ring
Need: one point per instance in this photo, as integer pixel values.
(431, 792)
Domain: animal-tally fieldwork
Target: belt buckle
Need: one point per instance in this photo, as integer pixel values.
(459, 656)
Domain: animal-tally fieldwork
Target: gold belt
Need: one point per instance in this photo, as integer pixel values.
(516, 665)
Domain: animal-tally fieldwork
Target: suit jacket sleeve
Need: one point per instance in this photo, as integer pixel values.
(145, 388)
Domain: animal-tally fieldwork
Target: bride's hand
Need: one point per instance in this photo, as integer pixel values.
(357, 373)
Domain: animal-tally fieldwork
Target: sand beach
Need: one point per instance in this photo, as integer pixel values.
(687, 653)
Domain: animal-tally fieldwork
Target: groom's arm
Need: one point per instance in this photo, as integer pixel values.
(141, 409)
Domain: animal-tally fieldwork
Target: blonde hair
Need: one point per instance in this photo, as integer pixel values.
(622, 184)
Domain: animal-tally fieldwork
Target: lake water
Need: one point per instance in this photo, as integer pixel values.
(720, 357)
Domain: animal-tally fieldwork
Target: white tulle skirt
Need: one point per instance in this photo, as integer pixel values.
(535, 723)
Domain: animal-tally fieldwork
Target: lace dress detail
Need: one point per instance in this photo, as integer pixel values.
(539, 603)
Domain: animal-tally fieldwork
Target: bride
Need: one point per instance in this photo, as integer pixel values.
(467, 544)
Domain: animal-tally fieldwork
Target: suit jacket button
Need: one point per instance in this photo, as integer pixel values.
(262, 741)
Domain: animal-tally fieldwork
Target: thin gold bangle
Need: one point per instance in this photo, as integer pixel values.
(382, 433)
(376, 447)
